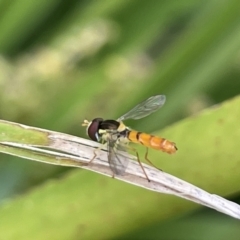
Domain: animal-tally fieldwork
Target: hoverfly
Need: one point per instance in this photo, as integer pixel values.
(117, 136)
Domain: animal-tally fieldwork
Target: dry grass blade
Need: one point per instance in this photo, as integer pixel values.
(69, 150)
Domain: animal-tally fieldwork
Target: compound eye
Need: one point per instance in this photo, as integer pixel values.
(93, 128)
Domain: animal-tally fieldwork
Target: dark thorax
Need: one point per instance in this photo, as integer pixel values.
(108, 130)
(117, 130)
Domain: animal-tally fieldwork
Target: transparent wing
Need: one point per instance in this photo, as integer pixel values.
(117, 162)
(145, 108)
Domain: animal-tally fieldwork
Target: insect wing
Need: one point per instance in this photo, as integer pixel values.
(118, 163)
(145, 108)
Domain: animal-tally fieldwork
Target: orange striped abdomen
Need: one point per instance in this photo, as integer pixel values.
(152, 141)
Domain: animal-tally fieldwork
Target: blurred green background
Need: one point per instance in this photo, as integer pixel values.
(64, 61)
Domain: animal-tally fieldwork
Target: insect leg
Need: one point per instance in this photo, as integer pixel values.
(146, 158)
(133, 149)
(95, 153)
